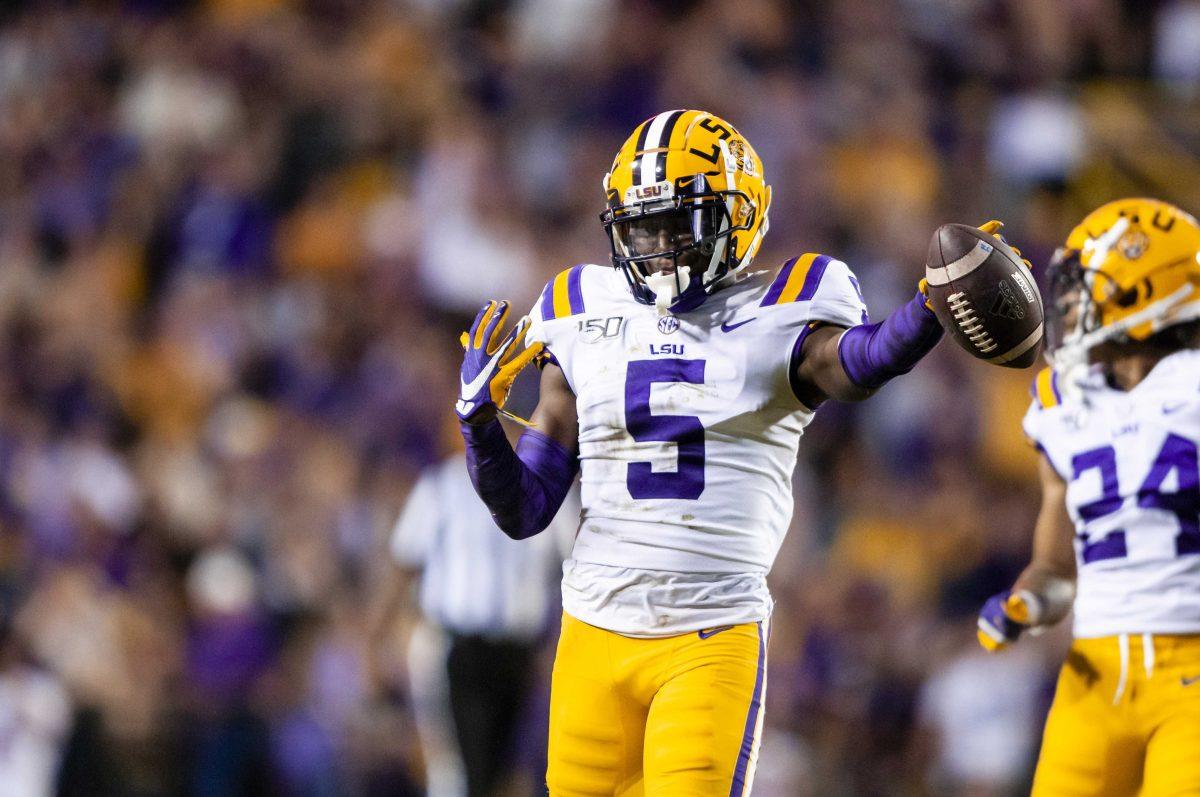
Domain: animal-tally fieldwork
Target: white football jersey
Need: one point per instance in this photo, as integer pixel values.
(1130, 462)
(688, 431)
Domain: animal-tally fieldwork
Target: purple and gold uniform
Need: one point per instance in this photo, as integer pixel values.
(1127, 708)
(685, 369)
(688, 434)
(1118, 420)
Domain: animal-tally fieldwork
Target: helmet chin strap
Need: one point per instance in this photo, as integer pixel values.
(665, 287)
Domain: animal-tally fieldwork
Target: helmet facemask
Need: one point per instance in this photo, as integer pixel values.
(1074, 326)
(674, 249)
(1071, 312)
(703, 181)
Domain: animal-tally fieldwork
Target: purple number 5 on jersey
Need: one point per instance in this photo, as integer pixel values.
(685, 431)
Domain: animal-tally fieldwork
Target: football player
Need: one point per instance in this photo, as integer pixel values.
(1117, 420)
(679, 382)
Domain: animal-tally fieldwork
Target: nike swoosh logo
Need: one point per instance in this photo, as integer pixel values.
(707, 632)
(469, 389)
(1169, 409)
(730, 327)
(1189, 681)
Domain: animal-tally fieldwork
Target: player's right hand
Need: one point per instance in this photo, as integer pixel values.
(489, 368)
(1003, 618)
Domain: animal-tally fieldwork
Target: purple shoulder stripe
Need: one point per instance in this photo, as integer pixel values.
(575, 289)
(548, 301)
(777, 286)
(812, 280)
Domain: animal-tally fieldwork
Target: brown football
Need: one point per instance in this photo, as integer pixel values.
(984, 296)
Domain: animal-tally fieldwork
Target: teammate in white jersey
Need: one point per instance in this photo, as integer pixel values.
(679, 381)
(1118, 423)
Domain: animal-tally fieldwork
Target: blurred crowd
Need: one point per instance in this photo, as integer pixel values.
(238, 239)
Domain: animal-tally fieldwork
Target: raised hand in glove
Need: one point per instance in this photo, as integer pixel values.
(489, 368)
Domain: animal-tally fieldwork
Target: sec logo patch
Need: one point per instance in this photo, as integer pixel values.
(668, 324)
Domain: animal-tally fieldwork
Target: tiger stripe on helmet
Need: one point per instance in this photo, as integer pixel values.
(660, 159)
(674, 142)
(658, 135)
(639, 148)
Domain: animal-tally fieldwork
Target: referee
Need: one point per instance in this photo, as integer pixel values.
(485, 603)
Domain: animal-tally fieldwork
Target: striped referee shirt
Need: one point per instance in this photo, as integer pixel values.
(474, 578)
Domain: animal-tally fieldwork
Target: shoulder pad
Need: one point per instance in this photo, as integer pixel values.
(797, 280)
(563, 296)
(1045, 389)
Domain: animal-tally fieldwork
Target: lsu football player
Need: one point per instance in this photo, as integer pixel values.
(678, 380)
(1117, 420)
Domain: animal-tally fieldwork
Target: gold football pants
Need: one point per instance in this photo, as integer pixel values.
(678, 716)
(1125, 719)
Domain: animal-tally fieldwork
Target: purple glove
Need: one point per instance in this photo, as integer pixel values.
(488, 368)
(1002, 620)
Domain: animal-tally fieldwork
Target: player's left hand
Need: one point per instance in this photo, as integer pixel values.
(490, 368)
(1003, 618)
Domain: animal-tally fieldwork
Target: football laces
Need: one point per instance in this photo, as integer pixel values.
(969, 323)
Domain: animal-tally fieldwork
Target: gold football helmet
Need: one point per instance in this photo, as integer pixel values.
(1130, 269)
(687, 206)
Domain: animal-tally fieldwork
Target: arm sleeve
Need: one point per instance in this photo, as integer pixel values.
(523, 489)
(415, 527)
(872, 354)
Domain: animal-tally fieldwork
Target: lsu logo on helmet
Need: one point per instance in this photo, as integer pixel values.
(686, 206)
(1128, 270)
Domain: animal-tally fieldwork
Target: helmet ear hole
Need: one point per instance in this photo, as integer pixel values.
(1126, 298)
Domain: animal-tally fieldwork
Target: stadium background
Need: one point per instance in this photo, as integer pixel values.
(237, 241)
